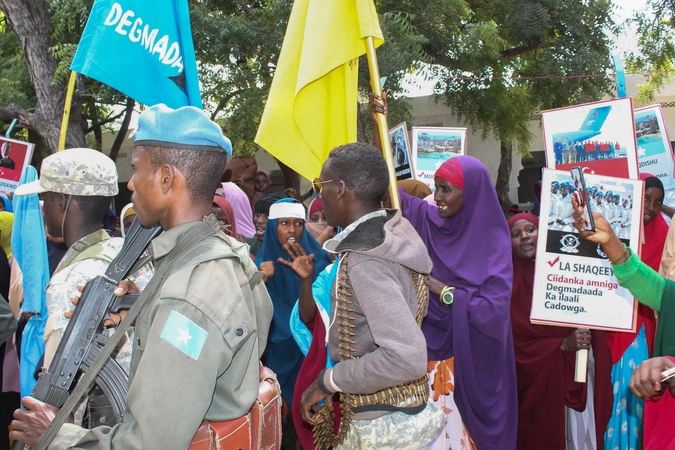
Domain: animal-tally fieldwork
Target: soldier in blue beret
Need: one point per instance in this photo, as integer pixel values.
(200, 335)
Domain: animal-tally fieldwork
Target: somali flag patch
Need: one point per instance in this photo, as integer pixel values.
(184, 334)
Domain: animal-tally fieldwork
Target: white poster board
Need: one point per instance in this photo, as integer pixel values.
(574, 282)
(14, 156)
(400, 151)
(432, 146)
(655, 156)
(598, 136)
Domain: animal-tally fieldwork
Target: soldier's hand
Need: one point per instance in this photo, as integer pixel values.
(29, 423)
(123, 287)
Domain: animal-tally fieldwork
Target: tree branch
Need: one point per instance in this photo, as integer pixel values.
(224, 101)
(104, 122)
(518, 50)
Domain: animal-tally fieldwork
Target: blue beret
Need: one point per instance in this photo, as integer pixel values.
(186, 128)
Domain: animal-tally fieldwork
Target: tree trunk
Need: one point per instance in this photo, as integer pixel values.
(504, 174)
(31, 22)
(122, 133)
(291, 177)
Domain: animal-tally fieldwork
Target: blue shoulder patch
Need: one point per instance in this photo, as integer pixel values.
(184, 334)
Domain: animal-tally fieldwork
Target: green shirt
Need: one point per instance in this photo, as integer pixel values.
(642, 281)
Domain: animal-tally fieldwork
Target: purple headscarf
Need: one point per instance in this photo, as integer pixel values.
(472, 251)
(242, 208)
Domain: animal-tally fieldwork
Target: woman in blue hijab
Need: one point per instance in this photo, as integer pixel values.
(286, 223)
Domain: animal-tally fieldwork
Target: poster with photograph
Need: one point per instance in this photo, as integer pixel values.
(574, 282)
(14, 156)
(655, 156)
(400, 150)
(598, 136)
(432, 146)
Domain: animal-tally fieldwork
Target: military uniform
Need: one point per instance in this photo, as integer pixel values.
(195, 354)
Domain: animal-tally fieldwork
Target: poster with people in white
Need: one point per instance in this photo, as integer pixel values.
(574, 282)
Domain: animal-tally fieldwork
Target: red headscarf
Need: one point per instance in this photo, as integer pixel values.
(451, 170)
(229, 213)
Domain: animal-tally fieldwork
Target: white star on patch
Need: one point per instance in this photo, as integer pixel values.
(641, 151)
(184, 335)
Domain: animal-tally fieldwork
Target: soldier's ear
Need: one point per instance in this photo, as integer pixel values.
(167, 175)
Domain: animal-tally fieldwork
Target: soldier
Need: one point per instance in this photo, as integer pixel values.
(77, 186)
(204, 325)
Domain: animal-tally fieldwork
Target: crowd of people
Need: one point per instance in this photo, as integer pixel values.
(570, 152)
(401, 329)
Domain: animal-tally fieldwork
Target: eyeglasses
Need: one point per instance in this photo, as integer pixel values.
(317, 184)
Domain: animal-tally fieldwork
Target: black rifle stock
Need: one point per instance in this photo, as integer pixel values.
(85, 335)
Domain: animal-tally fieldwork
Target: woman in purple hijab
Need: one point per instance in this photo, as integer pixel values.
(468, 326)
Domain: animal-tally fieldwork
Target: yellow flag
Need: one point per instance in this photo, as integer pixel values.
(312, 104)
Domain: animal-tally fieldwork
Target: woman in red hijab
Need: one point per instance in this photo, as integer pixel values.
(548, 396)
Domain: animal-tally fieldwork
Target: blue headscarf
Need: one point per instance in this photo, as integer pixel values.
(29, 247)
(282, 353)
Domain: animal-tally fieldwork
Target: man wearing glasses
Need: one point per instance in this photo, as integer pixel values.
(378, 301)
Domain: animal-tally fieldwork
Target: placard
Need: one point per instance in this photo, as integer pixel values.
(432, 146)
(574, 282)
(598, 136)
(400, 151)
(14, 156)
(655, 156)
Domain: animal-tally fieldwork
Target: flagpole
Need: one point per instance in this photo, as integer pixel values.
(382, 126)
(66, 110)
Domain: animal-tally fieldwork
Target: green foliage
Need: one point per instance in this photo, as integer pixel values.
(656, 55)
(512, 59)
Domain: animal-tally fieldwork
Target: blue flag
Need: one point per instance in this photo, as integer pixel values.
(143, 49)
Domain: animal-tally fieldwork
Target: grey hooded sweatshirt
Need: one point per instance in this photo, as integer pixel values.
(390, 346)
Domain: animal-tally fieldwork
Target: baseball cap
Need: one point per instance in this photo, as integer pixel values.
(186, 128)
(76, 171)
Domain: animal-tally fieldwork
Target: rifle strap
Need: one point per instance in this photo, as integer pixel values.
(205, 228)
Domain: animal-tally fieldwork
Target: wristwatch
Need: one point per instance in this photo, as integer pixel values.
(447, 295)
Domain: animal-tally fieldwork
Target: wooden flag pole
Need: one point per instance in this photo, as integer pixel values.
(581, 366)
(66, 110)
(382, 125)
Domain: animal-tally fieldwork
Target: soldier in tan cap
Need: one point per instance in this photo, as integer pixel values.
(77, 186)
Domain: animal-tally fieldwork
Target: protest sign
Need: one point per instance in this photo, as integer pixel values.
(598, 136)
(432, 146)
(574, 282)
(400, 150)
(14, 156)
(655, 156)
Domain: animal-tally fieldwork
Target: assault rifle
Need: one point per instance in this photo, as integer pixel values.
(86, 335)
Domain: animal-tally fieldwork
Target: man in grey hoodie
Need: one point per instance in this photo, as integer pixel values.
(378, 300)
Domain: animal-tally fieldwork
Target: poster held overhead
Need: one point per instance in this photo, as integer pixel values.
(432, 146)
(655, 156)
(598, 136)
(400, 150)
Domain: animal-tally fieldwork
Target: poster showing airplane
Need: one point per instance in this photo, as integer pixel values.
(655, 156)
(599, 136)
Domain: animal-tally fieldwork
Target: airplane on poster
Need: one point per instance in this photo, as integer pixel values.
(590, 127)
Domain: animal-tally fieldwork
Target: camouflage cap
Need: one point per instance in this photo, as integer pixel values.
(76, 171)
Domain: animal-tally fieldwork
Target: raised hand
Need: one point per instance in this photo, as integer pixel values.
(301, 263)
